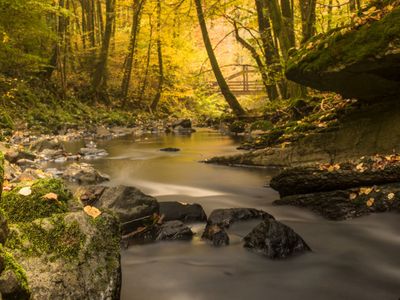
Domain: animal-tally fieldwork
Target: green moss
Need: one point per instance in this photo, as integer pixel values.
(19, 208)
(53, 238)
(261, 125)
(237, 127)
(12, 264)
(335, 48)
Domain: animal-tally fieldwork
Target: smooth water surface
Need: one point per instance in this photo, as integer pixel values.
(357, 259)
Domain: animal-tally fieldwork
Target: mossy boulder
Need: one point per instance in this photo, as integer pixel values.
(38, 204)
(358, 61)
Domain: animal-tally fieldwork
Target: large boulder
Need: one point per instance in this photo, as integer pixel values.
(359, 61)
(14, 155)
(275, 240)
(133, 207)
(84, 174)
(182, 211)
(221, 219)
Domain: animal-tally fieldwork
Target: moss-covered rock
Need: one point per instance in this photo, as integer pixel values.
(20, 208)
(359, 61)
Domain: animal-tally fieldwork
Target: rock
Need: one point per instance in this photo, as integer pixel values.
(132, 206)
(174, 231)
(142, 235)
(46, 143)
(83, 174)
(182, 211)
(70, 256)
(185, 123)
(26, 163)
(360, 63)
(15, 155)
(275, 240)
(92, 152)
(311, 179)
(30, 174)
(216, 235)
(347, 204)
(170, 149)
(221, 219)
(3, 228)
(90, 194)
(103, 133)
(11, 286)
(52, 154)
(11, 171)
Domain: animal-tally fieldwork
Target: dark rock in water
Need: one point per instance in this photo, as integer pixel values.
(347, 204)
(142, 235)
(170, 149)
(221, 219)
(174, 231)
(133, 207)
(217, 235)
(182, 211)
(92, 152)
(360, 63)
(275, 240)
(11, 287)
(84, 174)
(15, 155)
(185, 123)
(310, 179)
(47, 143)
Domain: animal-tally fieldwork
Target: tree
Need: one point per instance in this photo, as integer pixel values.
(226, 92)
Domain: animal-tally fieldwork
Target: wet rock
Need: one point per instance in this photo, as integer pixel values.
(26, 163)
(14, 155)
(182, 211)
(133, 207)
(348, 204)
(275, 240)
(183, 126)
(217, 235)
(11, 286)
(30, 174)
(52, 154)
(221, 219)
(46, 143)
(311, 179)
(89, 153)
(174, 231)
(90, 194)
(83, 174)
(170, 149)
(103, 133)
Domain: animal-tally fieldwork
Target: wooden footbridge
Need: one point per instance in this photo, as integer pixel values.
(242, 80)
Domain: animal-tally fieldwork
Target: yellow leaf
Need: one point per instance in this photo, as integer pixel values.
(360, 167)
(365, 191)
(370, 202)
(51, 196)
(390, 196)
(353, 196)
(92, 211)
(331, 168)
(25, 191)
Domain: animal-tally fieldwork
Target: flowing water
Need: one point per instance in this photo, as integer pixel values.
(357, 259)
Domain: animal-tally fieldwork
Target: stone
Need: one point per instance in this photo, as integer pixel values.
(133, 207)
(90, 194)
(174, 231)
(170, 149)
(275, 240)
(92, 152)
(13, 155)
(360, 63)
(26, 163)
(182, 211)
(30, 174)
(4, 231)
(11, 287)
(221, 219)
(184, 123)
(46, 143)
(84, 174)
(52, 154)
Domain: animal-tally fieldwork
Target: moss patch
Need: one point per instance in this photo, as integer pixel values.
(19, 208)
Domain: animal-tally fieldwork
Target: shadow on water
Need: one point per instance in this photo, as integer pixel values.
(357, 259)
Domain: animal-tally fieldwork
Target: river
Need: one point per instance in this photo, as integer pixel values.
(356, 259)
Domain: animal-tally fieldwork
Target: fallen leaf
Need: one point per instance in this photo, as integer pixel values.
(51, 196)
(370, 202)
(353, 196)
(366, 191)
(92, 211)
(390, 196)
(25, 191)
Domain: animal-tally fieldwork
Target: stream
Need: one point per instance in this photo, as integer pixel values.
(356, 259)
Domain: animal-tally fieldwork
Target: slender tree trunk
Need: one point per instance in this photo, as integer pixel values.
(157, 97)
(226, 92)
(99, 83)
(137, 11)
(308, 18)
(288, 19)
(146, 73)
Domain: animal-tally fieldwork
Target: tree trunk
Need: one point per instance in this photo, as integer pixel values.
(146, 73)
(308, 18)
(226, 92)
(138, 6)
(99, 83)
(157, 97)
